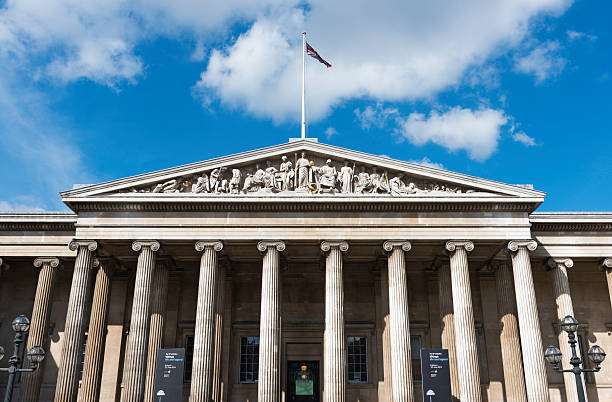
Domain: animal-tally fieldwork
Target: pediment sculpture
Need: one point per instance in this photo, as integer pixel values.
(306, 176)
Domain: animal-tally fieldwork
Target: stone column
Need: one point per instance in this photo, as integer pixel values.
(217, 389)
(138, 340)
(514, 379)
(401, 364)
(606, 266)
(94, 353)
(447, 316)
(565, 307)
(201, 372)
(159, 297)
(334, 359)
(465, 331)
(268, 387)
(30, 383)
(74, 329)
(387, 394)
(529, 323)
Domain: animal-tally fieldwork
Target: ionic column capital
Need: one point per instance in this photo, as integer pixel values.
(389, 245)
(530, 244)
(327, 245)
(264, 245)
(137, 245)
(202, 245)
(452, 245)
(75, 244)
(606, 263)
(553, 263)
(52, 261)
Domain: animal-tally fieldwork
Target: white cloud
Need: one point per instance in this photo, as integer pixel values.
(425, 161)
(575, 35)
(6, 206)
(37, 146)
(409, 51)
(475, 131)
(524, 139)
(543, 61)
(330, 132)
(377, 116)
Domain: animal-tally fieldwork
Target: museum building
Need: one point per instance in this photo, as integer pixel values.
(305, 272)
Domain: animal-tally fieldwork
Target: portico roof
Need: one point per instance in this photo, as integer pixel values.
(419, 184)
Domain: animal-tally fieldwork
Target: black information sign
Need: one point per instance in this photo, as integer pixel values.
(169, 370)
(436, 375)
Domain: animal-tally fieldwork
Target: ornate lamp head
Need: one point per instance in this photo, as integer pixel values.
(21, 324)
(596, 354)
(36, 355)
(553, 355)
(569, 324)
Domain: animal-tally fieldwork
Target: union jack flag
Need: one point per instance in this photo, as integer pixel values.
(313, 53)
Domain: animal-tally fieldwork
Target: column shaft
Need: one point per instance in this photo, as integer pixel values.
(217, 389)
(30, 384)
(606, 266)
(386, 335)
(136, 355)
(268, 388)
(447, 315)
(400, 322)
(201, 372)
(465, 331)
(565, 307)
(94, 353)
(514, 379)
(74, 329)
(334, 361)
(159, 298)
(536, 382)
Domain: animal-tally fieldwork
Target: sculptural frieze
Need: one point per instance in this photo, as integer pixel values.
(305, 175)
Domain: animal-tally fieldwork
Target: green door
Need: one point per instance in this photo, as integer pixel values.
(303, 381)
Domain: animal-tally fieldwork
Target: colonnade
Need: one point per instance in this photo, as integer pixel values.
(521, 350)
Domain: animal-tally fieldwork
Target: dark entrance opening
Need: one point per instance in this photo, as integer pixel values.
(303, 381)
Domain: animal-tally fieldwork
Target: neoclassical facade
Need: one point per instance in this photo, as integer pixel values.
(305, 272)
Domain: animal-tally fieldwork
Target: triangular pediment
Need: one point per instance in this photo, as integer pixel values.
(301, 168)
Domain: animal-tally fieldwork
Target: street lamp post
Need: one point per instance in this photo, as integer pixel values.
(553, 355)
(35, 355)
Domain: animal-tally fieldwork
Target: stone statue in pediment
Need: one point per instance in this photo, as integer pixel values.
(327, 176)
(364, 183)
(170, 186)
(202, 185)
(286, 174)
(302, 169)
(346, 178)
(270, 177)
(218, 181)
(234, 184)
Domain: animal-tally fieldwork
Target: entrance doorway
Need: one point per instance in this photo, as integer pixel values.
(303, 381)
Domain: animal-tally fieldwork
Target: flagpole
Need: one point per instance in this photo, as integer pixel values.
(303, 84)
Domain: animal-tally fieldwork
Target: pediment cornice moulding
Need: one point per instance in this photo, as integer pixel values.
(316, 205)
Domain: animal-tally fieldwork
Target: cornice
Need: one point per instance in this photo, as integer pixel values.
(38, 221)
(311, 205)
(571, 221)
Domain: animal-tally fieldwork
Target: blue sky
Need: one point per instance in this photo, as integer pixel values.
(515, 91)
